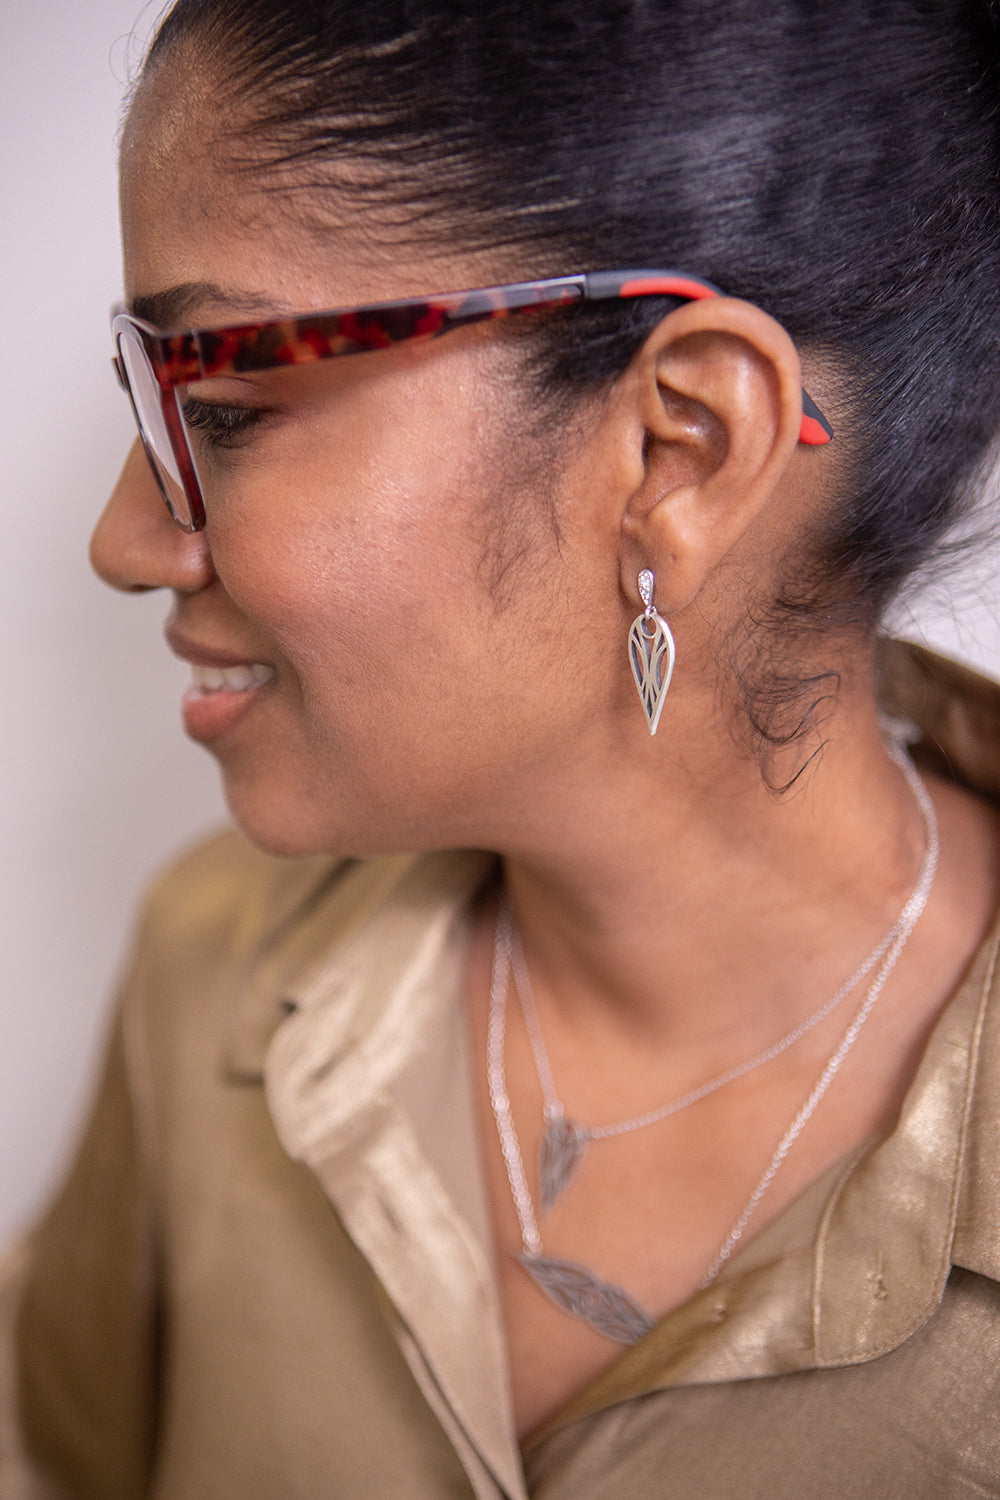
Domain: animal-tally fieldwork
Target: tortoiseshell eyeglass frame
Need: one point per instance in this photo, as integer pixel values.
(181, 357)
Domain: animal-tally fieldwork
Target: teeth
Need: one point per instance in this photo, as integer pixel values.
(229, 679)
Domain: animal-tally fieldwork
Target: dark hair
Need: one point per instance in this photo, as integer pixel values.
(834, 161)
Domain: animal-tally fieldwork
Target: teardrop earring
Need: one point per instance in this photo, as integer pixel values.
(651, 652)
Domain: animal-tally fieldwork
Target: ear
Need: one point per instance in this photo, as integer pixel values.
(718, 393)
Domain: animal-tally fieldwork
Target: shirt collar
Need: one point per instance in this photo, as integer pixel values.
(368, 1084)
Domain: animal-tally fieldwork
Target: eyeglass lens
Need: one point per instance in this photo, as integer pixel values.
(147, 402)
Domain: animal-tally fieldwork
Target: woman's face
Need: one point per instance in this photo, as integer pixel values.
(380, 562)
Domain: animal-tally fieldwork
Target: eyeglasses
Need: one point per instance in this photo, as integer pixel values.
(154, 367)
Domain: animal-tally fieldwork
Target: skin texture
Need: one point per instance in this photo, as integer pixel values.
(444, 597)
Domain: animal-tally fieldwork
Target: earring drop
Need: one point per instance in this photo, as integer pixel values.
(651, 652)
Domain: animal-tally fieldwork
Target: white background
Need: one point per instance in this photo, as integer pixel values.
(97, 784)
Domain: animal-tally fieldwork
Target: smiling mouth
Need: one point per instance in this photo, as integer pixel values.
(208, 680)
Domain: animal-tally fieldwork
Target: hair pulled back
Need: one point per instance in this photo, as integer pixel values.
(834, 161)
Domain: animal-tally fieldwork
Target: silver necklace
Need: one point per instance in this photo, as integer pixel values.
(565, 1140)
(609, 1309)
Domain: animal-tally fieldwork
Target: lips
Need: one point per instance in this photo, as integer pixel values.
(225, 686)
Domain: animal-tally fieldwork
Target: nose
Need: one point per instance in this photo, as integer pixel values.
(136, 546)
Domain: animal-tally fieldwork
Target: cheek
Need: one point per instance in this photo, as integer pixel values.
(355, 543)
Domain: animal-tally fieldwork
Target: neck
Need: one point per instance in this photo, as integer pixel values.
(704, 914)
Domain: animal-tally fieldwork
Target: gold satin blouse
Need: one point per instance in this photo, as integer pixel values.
(269, 1275)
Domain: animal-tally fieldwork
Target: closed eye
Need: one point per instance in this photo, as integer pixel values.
(220, 425)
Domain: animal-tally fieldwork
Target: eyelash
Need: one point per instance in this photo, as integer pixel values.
(220, 426)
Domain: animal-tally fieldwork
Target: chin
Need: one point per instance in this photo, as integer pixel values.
(279, 830)
(292, 826)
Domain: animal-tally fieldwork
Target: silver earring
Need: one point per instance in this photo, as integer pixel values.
(651, 652)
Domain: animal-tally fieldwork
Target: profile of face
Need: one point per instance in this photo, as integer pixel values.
(377, 610)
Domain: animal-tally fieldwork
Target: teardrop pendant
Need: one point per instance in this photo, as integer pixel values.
(651, 653)
(559, 1158)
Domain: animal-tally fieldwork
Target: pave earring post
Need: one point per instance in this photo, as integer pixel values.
(651, 653)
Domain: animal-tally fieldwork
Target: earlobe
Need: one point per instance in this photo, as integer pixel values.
(719, 387)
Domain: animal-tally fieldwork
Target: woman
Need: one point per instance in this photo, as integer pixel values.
(659, 1135)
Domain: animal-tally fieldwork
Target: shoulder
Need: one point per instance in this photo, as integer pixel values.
(222, 924)
(956, 709)
(229, 937)
(224, 883)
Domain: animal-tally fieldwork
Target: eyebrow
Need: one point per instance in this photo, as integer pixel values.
(171, 308)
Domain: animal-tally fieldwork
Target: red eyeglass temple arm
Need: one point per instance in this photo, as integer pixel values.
(181, 357)
(815, 429)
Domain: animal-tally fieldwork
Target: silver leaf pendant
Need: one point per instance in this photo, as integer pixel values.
(608, 1309)
(651, 651)
(559, 1157)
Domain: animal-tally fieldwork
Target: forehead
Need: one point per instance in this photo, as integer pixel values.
(190, 214)
(193, 212)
